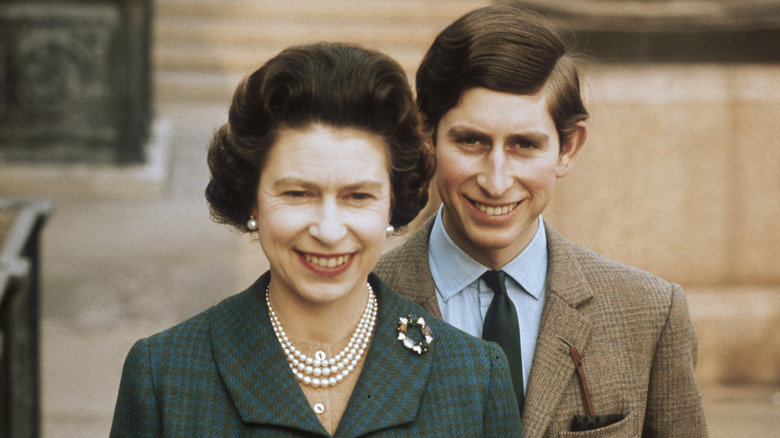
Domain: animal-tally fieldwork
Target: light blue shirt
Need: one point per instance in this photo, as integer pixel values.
(464, 298)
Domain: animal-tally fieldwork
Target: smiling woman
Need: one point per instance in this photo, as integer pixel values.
(322, 214)
(320, 155)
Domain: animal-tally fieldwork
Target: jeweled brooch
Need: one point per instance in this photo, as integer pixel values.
(426, 334)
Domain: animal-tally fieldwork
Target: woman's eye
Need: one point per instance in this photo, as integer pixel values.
(295, 193)
(360, 196)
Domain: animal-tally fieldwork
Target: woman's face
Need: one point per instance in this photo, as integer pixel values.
(323, 207)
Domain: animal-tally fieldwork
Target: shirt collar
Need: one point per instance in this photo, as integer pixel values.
(453, 269)
(529, 268)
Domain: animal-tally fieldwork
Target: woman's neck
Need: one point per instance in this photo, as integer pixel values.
(330, 322)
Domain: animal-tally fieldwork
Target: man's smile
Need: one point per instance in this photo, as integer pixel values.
(495, 210)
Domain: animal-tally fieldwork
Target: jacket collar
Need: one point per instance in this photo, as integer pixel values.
(415, 266)
(393, 379)
(253, 366)
(562, 322)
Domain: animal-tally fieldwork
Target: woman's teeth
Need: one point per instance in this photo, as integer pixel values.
(327, 262)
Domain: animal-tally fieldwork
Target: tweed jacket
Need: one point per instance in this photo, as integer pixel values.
(223, 373)
(632, 329)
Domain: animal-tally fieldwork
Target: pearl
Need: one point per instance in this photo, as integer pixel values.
(340, 365)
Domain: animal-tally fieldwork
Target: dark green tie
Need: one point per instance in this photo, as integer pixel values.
(501, 326)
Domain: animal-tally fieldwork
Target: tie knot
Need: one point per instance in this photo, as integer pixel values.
(495, 280)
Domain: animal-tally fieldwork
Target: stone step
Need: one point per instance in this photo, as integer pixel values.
(322, 10)
(243, 60)
(201, 48)
(198, 87)
(262, 30)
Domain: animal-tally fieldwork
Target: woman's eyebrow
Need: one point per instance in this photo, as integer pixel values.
(367, 184)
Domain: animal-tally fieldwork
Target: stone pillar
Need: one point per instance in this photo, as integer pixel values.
(74, 81)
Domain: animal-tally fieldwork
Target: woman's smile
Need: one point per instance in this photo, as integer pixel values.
(323, 212)
(324, 265)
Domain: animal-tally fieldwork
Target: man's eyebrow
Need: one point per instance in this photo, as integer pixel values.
(467, 131)
(534, 137)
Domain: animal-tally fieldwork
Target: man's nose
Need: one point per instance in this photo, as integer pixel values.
(494, 177)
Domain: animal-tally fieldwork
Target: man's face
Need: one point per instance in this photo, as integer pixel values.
(498, 155)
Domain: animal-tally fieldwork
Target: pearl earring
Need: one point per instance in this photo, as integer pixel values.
(390, 230)
(251, 224)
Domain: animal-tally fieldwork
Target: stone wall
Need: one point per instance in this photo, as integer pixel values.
(680, 176)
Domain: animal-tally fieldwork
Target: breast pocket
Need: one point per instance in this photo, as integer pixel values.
(623, 428)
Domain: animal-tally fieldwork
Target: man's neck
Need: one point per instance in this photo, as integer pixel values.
(487, 255)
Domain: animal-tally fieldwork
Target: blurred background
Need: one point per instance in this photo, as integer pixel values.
(107, 109)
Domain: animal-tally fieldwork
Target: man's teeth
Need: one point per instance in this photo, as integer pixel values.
(495, 211)
(327, 262)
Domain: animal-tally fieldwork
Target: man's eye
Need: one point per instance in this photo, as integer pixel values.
(525, 145)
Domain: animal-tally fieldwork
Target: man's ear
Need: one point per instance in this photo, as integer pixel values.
(571, 148)
(428, 134)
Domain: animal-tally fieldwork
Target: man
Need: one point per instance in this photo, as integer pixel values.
(500, 100)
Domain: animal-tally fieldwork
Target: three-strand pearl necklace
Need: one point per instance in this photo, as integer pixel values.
(321, 371)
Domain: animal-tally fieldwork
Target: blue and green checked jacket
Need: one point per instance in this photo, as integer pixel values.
(222, 373)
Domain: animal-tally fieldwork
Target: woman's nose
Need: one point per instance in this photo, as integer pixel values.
(495, 178)
(329, 227)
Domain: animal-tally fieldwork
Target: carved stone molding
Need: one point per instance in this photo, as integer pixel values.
(721, 31)
(67, 85)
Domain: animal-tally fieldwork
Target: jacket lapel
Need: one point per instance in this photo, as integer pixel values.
(552, 368)
(393, 379)
(406, 268)
(253, 366)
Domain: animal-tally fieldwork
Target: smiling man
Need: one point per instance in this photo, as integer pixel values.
(592, 344)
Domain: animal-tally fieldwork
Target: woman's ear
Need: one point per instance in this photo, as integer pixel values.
(570, 148)
(430, 144)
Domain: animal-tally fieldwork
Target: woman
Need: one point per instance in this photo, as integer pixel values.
(320, 154)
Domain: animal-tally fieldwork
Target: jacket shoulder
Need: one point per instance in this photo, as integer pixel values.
(600, 272)
(193, 335)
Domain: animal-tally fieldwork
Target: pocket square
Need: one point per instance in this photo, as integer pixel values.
(590, 422)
